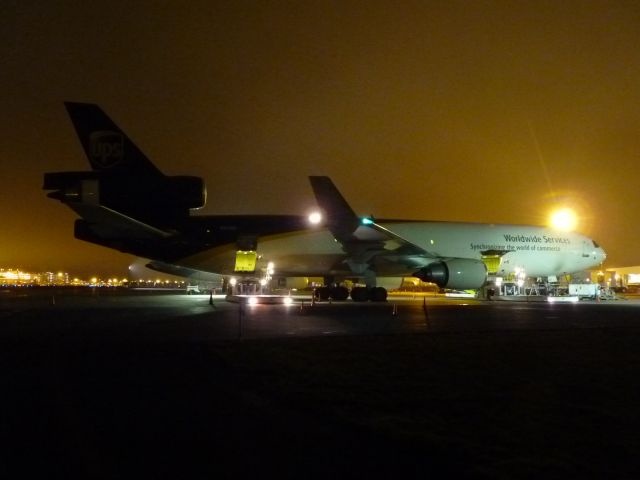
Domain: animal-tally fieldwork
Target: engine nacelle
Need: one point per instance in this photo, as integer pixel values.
(456, 273)
(186, 192)
(169, 192)
(123, 193)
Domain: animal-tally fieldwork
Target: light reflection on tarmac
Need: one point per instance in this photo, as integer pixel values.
(157, 316)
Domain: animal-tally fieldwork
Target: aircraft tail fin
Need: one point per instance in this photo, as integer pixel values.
(123, 179)
(107, 147)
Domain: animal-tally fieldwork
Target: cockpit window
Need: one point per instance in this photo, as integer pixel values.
(595, 244)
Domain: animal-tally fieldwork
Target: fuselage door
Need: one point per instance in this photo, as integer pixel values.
(493, 260)
(492, 263)
(245, 261)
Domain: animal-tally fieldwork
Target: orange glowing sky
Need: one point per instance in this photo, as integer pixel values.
(471, 111)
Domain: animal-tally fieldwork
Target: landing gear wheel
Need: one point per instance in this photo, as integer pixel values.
(359, 294)
(339, 293)
(378, 294)
(321, 293)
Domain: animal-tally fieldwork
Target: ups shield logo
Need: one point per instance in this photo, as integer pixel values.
(106, 149)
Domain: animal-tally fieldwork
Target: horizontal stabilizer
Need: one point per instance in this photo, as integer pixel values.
(109, 224)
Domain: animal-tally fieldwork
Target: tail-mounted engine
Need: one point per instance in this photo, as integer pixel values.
(140, 198)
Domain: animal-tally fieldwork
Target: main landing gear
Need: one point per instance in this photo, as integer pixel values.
(358, 294)
(333, 293)
(375, 294)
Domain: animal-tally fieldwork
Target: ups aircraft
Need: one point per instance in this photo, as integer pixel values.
(126, 203)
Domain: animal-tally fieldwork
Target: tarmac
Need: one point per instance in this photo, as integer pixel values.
(120, 384)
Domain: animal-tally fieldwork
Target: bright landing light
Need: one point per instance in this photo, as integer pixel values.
(315, 218)
(564, 219)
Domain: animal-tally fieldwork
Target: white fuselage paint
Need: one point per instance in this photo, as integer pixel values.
(539, 251)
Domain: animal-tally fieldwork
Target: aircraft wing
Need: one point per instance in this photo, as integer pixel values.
(363, 240)
(371, 233)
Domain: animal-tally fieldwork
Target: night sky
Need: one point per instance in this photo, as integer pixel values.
(469, 111)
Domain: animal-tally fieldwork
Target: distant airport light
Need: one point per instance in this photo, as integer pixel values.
(263, 281)
(564, 219)
(287, 300)
(253, 301)
(233, 281)
(315, 218)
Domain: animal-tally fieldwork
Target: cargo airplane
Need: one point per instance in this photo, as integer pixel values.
(125, 202)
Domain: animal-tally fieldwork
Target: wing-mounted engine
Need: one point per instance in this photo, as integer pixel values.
(371, 247)
(455, 273)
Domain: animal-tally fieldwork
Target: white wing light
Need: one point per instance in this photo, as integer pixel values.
(315, 218)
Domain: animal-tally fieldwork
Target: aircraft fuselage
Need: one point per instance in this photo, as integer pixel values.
(538, 251)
